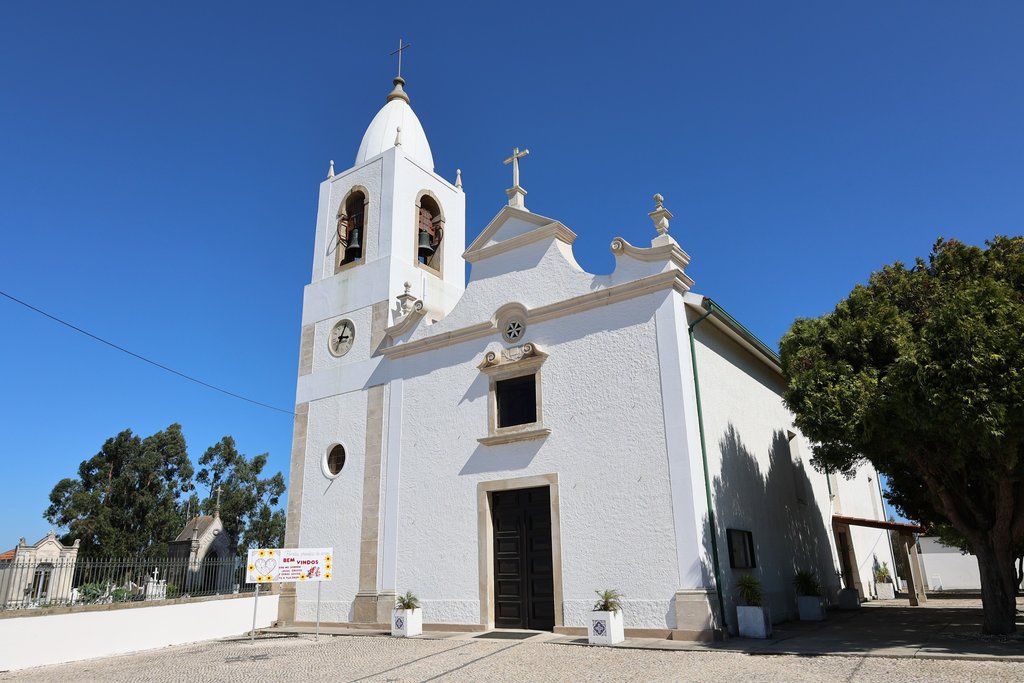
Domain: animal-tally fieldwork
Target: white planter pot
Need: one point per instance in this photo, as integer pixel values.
(811, 608)
(849, 599)
(605, 628)
(407, 622)
(753, 622)
(885, 591)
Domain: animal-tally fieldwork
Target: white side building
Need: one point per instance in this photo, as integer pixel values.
(506, 447)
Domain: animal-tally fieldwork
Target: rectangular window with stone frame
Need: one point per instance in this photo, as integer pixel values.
(515, 408)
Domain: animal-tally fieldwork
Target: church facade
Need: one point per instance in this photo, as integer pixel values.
(507, 446)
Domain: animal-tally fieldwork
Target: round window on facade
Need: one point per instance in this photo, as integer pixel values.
(335, 460)
(513, 330)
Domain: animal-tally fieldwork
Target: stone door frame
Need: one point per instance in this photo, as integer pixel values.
(485, 540)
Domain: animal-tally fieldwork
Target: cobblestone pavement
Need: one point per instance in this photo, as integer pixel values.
(392, 660)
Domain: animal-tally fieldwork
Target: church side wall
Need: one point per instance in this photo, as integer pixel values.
(601, 400)
(758, 483)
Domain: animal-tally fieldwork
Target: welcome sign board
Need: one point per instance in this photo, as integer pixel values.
(289, 565)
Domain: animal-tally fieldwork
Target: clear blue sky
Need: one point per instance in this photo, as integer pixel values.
(159, 165)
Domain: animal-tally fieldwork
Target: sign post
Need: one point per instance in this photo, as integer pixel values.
(289, 565)
(255, 603)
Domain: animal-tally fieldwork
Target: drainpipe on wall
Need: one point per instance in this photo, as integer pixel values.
(704, 457)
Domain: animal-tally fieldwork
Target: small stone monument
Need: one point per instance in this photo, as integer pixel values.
(156, 589)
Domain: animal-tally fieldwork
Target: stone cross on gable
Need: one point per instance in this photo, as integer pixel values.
(516, 194)
(514, 160)
(216, 511)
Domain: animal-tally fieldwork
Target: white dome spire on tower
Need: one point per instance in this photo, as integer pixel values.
(382, 134)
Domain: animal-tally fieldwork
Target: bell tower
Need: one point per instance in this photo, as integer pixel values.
(388, 220)
(389, 226)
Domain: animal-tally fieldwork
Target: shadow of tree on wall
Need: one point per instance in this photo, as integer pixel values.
(778, 507)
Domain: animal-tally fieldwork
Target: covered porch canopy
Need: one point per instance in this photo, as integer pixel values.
(907, 548)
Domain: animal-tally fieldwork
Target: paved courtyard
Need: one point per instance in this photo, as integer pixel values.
(877, 643)
(391, 660)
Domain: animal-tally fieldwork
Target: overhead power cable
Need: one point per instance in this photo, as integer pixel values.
(142, 358)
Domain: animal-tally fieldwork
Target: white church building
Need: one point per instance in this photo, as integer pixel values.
(504, 447)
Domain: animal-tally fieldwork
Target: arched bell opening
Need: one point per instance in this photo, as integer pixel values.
(351, 229)
(429, 232)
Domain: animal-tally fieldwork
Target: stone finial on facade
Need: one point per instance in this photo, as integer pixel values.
(458, 177)
(660, 215)
(406, 301)
(398, 137)
(330, 170)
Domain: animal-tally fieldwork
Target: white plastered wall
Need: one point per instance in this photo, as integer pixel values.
(601, 399)
(947, 568)
(762, 480)
(860, 497)
(332, 507)
(58, 638)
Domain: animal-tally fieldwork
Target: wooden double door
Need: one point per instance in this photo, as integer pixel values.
(524, 586)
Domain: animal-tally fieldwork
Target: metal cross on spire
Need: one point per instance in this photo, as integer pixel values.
(401, 48)
(516, 194)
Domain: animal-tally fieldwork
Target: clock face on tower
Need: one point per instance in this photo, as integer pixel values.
(343, 334)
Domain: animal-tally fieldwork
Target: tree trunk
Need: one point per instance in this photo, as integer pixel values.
(998, 588)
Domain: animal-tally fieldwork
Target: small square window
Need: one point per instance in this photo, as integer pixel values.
(741, 549)
(516, 400)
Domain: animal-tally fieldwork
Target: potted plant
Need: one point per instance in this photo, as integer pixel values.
(849, 598)
(884, 588)
(605, 625)
(809, 602)
(752, 618)
(408, 618)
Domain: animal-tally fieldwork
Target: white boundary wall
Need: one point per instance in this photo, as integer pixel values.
(58, 638)
(947, 568)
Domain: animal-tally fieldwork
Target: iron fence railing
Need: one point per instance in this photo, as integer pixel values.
(39, 583)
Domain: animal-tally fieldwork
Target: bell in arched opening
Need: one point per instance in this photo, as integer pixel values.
(429, 233)
(351, 228)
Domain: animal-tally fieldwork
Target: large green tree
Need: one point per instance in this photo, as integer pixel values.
(248, 501)
(921, 372)
(129, 499)
(124, 501)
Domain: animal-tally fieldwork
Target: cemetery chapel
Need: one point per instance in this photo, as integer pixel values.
(504, 447)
